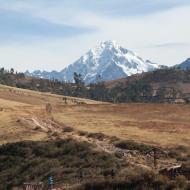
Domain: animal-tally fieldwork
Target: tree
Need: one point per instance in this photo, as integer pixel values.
(98, 92)
(80, 87)
(12, 71)
(161, 93)
(2, 70)
(78, 78)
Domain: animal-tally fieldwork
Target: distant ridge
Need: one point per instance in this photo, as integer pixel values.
(184, 65)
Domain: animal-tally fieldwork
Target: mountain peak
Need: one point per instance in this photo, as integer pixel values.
(107, 48)
(105, 45)
(108, 43)
(108, 60)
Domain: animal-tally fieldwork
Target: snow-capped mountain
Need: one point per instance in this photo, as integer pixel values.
(46, 75)
(185, 65)
(108, 61)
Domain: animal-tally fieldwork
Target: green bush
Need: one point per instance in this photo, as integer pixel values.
(29, 161)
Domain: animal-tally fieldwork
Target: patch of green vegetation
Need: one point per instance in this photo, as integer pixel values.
(35, 161)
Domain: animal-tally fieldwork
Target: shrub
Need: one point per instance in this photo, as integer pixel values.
(181, 182)
(131, 145)
(68, 129)
(30, 161)
(99, 136)
(83, 133)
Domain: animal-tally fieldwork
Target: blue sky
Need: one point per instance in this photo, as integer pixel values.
(19, 27)
(50, 34)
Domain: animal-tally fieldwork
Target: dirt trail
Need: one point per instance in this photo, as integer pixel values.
(133, 157)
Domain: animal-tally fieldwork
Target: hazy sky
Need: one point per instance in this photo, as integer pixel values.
(50, 34)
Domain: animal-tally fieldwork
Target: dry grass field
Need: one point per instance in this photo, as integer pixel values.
(17, 104)
(157, 124)
(165, 125)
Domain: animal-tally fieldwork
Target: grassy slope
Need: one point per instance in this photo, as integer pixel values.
(36, 98)
(17, 103)
(150, 123)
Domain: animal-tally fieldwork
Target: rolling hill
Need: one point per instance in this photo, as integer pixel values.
(83, 134)
(171, 85)
(16, 104)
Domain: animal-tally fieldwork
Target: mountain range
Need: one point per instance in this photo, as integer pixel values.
(107, 61)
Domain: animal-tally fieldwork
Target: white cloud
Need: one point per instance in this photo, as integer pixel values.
(133, 32)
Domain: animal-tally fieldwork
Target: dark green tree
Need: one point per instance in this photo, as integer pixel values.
(80, 86)
(78, 78)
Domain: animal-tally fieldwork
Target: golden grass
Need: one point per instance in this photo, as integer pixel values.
(165, 125)
(160, 124)
(37, 98)
(10, 129)
(19, 103)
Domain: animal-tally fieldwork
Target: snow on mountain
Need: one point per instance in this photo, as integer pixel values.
(185, 65)
(108, 61)
(45, 74)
